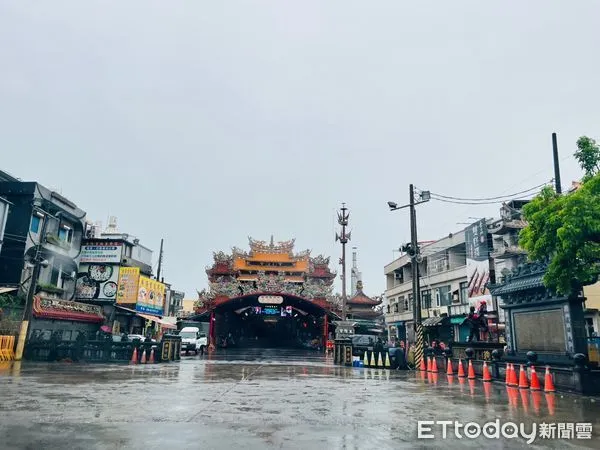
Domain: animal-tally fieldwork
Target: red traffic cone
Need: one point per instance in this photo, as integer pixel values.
(513, 376)
(486, 372)
(548, 381)
(429, 364)
(151, 360)
(449, 370)
(471, 371)
(523, 383)
(422, 367)
(535, 381)
(143, 361)
(507, 374)
(434, 368)
(461, 369)
(134, 357)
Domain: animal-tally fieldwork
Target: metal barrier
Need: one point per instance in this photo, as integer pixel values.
(7, 347)
(106, 350)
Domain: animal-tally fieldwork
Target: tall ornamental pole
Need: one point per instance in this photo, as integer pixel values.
(343, 217)
(416, 303)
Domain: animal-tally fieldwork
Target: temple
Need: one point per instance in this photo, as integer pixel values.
(270, 295)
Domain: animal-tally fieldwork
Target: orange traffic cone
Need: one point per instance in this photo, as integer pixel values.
(461, 369)
(523, 383)
(422, 367)
(449, 370)
(429, 364)
(507, 374)
(548, 381)
(151, 360)
(434, 368)
(134, 357)
(486, 372)
(143, 361)
(535, 381)
(471, 371)
(513, 376)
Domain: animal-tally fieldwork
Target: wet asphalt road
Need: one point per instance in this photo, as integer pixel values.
(259, 399)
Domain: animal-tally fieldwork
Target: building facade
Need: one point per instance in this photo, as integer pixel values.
(43, 224)
(115, 272)
(444, 298)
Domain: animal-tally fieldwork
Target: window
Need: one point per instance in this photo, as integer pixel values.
(464, 292)
(439, 265)
(409, 302)
(36, 221)
(443, 296)
(65, 234)
(426, 299)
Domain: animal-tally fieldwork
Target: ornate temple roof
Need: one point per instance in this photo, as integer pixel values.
(47, 308)
(360, 298)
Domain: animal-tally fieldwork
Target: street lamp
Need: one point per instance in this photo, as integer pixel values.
(415, 256)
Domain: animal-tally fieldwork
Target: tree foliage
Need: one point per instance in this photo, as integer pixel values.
(588, 156)
(565, 229)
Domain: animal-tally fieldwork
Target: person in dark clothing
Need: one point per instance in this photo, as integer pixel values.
(473, 321)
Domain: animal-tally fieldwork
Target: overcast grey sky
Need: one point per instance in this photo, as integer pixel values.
(204, 122)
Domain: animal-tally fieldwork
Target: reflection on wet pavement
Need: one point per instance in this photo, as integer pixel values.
(260, 399)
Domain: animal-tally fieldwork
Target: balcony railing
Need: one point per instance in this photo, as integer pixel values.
(507, 251)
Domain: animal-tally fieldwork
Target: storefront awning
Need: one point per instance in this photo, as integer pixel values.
(6, 290)
(158, 320)
(433, 321)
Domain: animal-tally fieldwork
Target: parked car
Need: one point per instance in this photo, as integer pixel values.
(193, 340)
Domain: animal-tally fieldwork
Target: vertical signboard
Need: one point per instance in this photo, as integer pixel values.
(151, 296)
(478, 264)
(127, 290)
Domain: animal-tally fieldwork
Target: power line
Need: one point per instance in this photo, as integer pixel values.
(456, 202)
(485, 199)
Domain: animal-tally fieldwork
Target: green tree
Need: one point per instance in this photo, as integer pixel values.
(565, 229)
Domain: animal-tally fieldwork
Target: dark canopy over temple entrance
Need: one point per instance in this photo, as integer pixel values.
(271, 320)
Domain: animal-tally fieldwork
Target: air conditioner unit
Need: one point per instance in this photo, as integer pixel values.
(436, 313)
(397, 276)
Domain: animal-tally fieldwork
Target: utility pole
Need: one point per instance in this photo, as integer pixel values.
(416, 288)
(414, 253)
(557, 183)
(37, 265)
(160, 259)
(343, 217)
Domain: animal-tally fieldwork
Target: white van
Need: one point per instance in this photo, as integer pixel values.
(192, 340)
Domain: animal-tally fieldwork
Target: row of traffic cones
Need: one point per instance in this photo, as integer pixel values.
(511, 375)
(134, 357)
(378, 363)
(533, 383)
